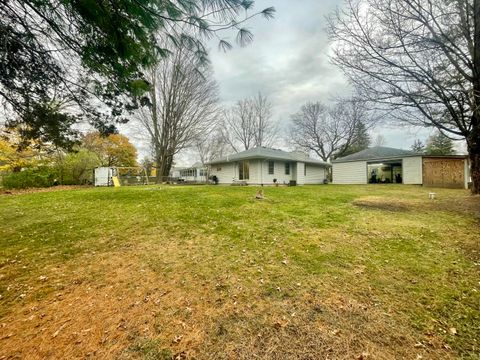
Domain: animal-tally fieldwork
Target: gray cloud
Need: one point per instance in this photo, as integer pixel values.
(287, 61)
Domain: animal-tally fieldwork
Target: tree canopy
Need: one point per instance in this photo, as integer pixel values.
(249, 124)
(439, 144)
(70, 61)
(331, 131)
(17, 153)
(360, 141)
(418, 146)
(111, 150)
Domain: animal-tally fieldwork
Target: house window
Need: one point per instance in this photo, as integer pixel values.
(243, 170)
(203, 172)
(188, 172)
(271, 167)
(305, 170)
(287, 168)
(219, 169)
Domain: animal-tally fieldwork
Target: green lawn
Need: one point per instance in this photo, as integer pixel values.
(207, 272)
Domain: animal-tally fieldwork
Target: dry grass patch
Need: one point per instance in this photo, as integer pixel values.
(117, 307)
(37, 190)
(385, 204)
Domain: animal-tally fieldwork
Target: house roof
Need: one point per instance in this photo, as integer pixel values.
(269, 154)
(377, 153)
(197, 165)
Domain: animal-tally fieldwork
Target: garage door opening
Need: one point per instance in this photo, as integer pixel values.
(388, 172)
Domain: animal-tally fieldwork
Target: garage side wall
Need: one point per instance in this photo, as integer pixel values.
(354, 172)
(412, 170)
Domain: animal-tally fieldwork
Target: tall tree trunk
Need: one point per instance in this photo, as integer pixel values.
(158, 166)
(167, 166)
(473, 138)
(163, 163)
(473, 146)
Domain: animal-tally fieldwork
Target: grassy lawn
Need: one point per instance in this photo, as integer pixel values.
(314, 272)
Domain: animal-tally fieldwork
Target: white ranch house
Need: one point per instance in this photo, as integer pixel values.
(261, 165)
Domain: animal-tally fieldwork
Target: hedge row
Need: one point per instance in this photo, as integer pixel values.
(38, 177)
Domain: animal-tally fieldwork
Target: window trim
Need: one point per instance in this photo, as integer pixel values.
(271, 170)
(241, 174)
(287, 168)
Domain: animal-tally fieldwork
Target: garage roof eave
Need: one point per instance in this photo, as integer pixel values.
(385, 158)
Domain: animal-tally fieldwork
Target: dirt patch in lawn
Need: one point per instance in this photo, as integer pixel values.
(381, 203)
(468, 205)
(114, 306)
(6, 192)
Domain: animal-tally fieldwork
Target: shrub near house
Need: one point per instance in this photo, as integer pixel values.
(34, 177)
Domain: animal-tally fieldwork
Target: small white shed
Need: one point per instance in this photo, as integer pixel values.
(103, 176)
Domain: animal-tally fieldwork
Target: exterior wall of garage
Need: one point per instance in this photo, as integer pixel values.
(412, 170)
(354, 172)
(445, 172)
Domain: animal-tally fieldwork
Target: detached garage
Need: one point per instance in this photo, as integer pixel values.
(384, 165)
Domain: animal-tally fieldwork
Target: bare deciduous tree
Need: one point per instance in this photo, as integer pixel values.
(212, 146)
(419, 59)
(249, 124)
(328, 131)
(380, 140)
(183, 106)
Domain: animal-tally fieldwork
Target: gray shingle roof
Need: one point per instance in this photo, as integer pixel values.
(267, 153)
(197, 165)
(377, 153)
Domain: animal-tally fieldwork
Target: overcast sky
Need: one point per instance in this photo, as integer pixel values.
(288, 62)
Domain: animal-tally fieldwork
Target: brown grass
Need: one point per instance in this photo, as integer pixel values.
(468, 205)
(110, 301)
(41, 190)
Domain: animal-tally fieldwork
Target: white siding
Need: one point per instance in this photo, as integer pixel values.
(301, 173)
(255, 176)
(278, 173)
(315, 174)
(354, 172)
(412, 170)
(226, 174)
(259, 173)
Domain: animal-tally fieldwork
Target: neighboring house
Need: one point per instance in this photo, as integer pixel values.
(195, 173)
(388, 165)
(262, 165)
(175, 172)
